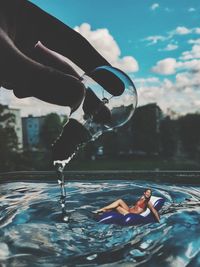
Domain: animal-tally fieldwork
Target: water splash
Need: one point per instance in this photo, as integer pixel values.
(60, 166)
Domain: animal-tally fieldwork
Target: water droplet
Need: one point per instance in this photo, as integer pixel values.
(91, 257)
(4, 250)
(137, 253)
(66, 219)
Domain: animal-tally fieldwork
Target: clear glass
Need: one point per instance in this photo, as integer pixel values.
(121, 107)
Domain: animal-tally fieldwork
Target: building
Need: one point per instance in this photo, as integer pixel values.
(32, 131)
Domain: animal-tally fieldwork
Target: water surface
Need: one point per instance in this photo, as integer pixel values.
(34, 231)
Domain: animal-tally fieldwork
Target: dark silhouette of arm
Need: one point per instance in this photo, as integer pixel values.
(28, 68)
(22, 25)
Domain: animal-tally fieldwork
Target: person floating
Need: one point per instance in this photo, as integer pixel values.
(140, 206)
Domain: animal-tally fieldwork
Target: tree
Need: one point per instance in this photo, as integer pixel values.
(51, 129)
(109, 143)
(146, 129)
(168, 137)
(189, 132)
(8, 140)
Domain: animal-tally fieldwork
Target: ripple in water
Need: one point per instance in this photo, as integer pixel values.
(34, 232)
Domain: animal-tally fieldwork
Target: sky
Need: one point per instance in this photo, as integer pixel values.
(157, 43)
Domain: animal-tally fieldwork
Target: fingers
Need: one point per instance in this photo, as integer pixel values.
(53, 59)
(30, 78)
(93, 106)
(50, 58)
(109, 81)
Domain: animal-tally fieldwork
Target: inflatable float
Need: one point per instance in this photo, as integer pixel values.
(113, 217)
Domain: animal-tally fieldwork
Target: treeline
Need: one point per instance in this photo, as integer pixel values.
(8, 141)
(149, 134)
(152, 134)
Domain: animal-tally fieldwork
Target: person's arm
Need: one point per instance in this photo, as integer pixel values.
(154, 211)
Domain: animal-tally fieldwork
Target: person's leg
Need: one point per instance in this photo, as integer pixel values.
(122, 210)
(115, 204)
(135, 211)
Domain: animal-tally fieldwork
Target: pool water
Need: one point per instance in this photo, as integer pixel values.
(34, 231)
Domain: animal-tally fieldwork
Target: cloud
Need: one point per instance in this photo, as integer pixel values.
(169, 47)
(191, 9)
(154, 39)
(150, 80)
(197, 30)
(192, 65)
(167, 9)
(196, 41)
(170, 66)
(188, 80)
(166, 66)
(154, 6)
(105, 44)
(178, 31)
(182, 30)
(192, 54)
(181, 96)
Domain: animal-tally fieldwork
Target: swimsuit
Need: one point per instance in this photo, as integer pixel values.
(139, 204)
(142, 205)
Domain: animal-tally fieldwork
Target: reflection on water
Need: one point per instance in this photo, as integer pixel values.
(33, 231)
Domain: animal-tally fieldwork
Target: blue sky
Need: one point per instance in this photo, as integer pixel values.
(156, 42)
(130, 22)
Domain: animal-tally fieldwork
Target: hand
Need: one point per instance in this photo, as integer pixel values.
(30, 71)
(28, 35)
